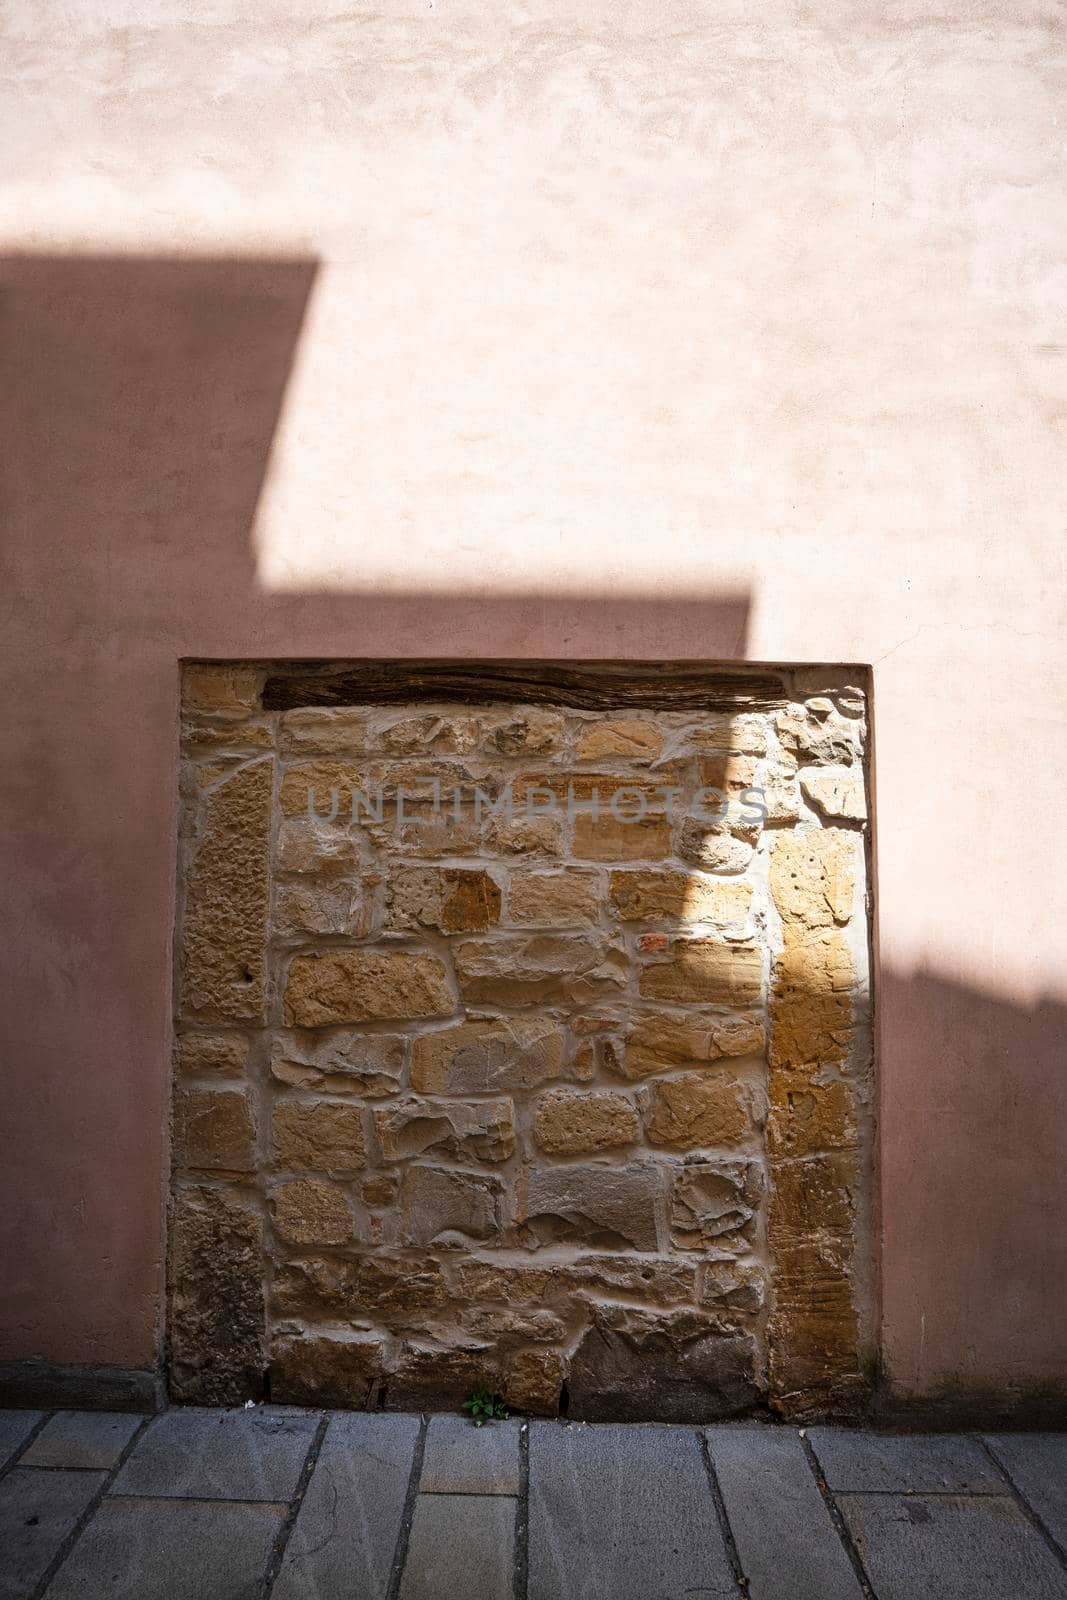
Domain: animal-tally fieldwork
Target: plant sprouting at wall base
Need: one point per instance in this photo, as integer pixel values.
(485, 1407)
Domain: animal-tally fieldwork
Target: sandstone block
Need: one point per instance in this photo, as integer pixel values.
(341, 1062)
(213, 1130)
(449, 1209)
(605, 838)
(811, 1196)
(637, 741)
(713, 848)
(728, 773)
(733, 1286)
(534, 1382)
(319, 1137)
(300, 909)
(712, 1198)
(217, 1319)
(641, 1366)
(524, 836)
(426, 1377)
(606, 1207)
(813, 876)
(480, 1130)
(809, 1113)
(381, 1189)
(311, 1211)
(487, 1056)
(482, 1281)
(836, 796)
(705, 971)
(539, 968)
(699, 1111)
(336, 986)
(327, 1370)
(395, 1290)
(685, 896)
(224, 928)
(241, 738)
(506, 1327)
(570, 1124)
(813, 1329)
(220, 690)
(212, 1054)
(323, 790)
(563, 899)
(744, 735)
(315, 848)
(660, 1041)
(532, 733)
(818, 734)
(335, 730)
(811, 1000)
(660, 1280)
(452, 899)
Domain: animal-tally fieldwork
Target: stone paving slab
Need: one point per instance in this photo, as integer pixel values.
(346, 1531)
(951, 1547)
(79, 1439)
(786, 1542)
(15, 1427)
(463, 1459)
(866, 1463)
(203, 1454)
(170, 1550)
(462, 1547)
(1037, 1466)
(622, 1512)
(37, 1512)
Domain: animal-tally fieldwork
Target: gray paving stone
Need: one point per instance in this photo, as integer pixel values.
(462, 1547)
(170, 1550)
(463, 1459)
(868, 1463)
(620, 1512)
(1037, 1464)
(346, 1531)
(951, 1547)
(788, 1547)
(202, 1454)
(82, 1439)
(15, 1426)
(37, 1512)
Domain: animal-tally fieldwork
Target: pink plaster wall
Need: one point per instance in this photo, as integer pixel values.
(499, 331)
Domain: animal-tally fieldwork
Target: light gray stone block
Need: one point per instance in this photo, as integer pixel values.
(80, 1439)
(951, 1547)
(1037, 1465)
(622, 1513)
(463, 1459)
(935, 1463)
(462, 1547)
(788, 1547)
(347, 1528)
(15, 1427)
(220, 1455)
(170, 1550)
(37, 1512)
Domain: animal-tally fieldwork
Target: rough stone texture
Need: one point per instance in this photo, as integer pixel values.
(319, 1137)
(365, 985)
(553, 1067)
(213, 1129)
(705, 971)
(311, 1211)
(324, 1371)
(641, 1366)
(217, 1321)
(472, 1131)
(568, 1124)
(554, 899)
(484, 1057)
(711, 1198)
(699, 1111)
(447, 1209)
(227, 894)
(598, 1205)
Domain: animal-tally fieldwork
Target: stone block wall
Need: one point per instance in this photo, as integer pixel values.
(522, 1041)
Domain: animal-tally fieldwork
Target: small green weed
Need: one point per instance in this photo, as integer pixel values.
(485, 1407)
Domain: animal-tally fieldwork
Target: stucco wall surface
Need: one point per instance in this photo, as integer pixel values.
(538, 330)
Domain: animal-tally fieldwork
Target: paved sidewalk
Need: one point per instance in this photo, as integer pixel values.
(305, 1505)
